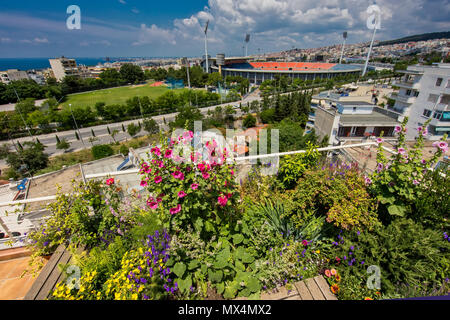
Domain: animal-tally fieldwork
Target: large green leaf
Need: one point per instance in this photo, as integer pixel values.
(179, 269)
(184, 285)
(215, 276)
(193, 264)
(238, 238)
(396, 210)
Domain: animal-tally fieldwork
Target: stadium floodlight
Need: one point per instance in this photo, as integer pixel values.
(206, 46)
(343, 46)
(247, 40)
(373, 22)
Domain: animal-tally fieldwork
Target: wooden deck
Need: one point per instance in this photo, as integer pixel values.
(50, 275)
(315, 288)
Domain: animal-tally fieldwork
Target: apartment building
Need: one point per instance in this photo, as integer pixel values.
(425, 94)
(344, 117)
(12, 75)
(63, 67)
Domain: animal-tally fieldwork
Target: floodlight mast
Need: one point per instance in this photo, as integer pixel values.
(247, 40)
(343, 46)
(206, 47)
(377, 20)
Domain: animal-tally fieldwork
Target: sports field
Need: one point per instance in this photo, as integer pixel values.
(114, 95)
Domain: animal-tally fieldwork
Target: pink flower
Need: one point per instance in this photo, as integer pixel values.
(182, 194)
(156, 151)
(168, 154)
(144, 183)
(415, 182)
(423, 161)
(379, 140)
(398, 129)
(161, 164)
(328, 273)
(222, 201)
(401, 150)
(178, 175)
(158, 179)
(175, 210)
(443, 146)
(188, 135)
(367, 180)
(194, 186)
(152, 204)
(110, 181)
(333, 272)
(201, 167)
(232, 172)
(205, 175)
(304, 243)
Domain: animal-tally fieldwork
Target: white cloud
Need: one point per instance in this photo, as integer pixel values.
(41, 40)
(122, 1)
(155, 35)
(134, 10)
(5, 40)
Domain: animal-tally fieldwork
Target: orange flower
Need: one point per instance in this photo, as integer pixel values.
(328, 273)
(335, 288)
(368, 298)
(333, 272)
(378, 292)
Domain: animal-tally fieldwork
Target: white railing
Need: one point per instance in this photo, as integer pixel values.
(239, 159)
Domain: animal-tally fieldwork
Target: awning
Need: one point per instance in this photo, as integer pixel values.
(442, 129)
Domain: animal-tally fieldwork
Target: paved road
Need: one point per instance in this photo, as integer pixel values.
(101, 132)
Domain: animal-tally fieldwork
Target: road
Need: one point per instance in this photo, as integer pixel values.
(101, 132)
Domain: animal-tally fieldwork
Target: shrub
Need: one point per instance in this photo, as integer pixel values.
(249, 121)
(102, 151)
(188, 191)
(124, 150)
(399, 181)
(406, 253)
(336, 191)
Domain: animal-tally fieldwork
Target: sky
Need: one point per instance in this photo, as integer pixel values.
(149, 28)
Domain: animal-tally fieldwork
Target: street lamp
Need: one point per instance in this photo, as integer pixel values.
(376, 18)
(343, 46)
(206, 46)
(76, 125)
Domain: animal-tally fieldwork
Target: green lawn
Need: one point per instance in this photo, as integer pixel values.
(114, 95)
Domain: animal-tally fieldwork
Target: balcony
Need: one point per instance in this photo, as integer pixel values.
(408, 85)
(404, 99)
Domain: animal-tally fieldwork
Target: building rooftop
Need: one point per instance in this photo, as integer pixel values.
(376, 118)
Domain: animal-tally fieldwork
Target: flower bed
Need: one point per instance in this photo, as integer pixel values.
(195, 233)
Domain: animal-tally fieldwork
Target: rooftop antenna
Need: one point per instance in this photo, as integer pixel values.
(247, 40)
(206, 46)
(343, 46)
(373, 22)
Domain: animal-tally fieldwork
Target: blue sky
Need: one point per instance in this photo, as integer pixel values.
(174, 28)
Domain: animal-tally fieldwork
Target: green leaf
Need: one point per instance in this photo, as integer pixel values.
(238, 238)
(220, 287)
(179, 269)
(215, 276)
(396, 210)
(185, 284)
(193, 264)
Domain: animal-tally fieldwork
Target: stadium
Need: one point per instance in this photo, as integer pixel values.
(258, 72)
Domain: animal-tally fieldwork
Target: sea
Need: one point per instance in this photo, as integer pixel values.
(41, 63)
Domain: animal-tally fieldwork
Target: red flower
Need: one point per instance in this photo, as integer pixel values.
(175, 210)
(110, 181)
(222, 201)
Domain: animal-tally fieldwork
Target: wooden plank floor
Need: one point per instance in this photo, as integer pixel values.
(50, 275)
(315, 288)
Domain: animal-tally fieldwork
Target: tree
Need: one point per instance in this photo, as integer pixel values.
(26, 106)
(123, 128)
(187, 115)
(31, 157)
(151, 126)
(93, 133)
(249, 121)
(92, 140)
(63, 145)
(102, 151)
(214, 79)
(132, 73)
(133, 129)
(111, 77)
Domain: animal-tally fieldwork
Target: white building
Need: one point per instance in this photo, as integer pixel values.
(13, 75)
(63, 67)
(425, 94)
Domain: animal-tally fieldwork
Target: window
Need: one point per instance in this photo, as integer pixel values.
(427, 113)
(437, 115)
(416, 93)
(433, 98)
(438, 82)
(448, 83)
(354, 109)
(408, 92)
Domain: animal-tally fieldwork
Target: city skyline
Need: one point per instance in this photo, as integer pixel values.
(125, 28)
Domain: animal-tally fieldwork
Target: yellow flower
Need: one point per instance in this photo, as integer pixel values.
(318, 251)
(368, 298)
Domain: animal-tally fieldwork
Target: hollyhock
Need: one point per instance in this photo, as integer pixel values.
(205, 175)
(443, 146)
(152, 204)
(222, 201)
(194, 186)
(401, 151)
(158, 179)
(168, 154)
(175, 210)
(398, 129)
(156, 151)
(182, 194)
(201, 167)
(178, 175)
(367, 180)
(379, 140)
(110, 182)
(144, 183)
(415, 182)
